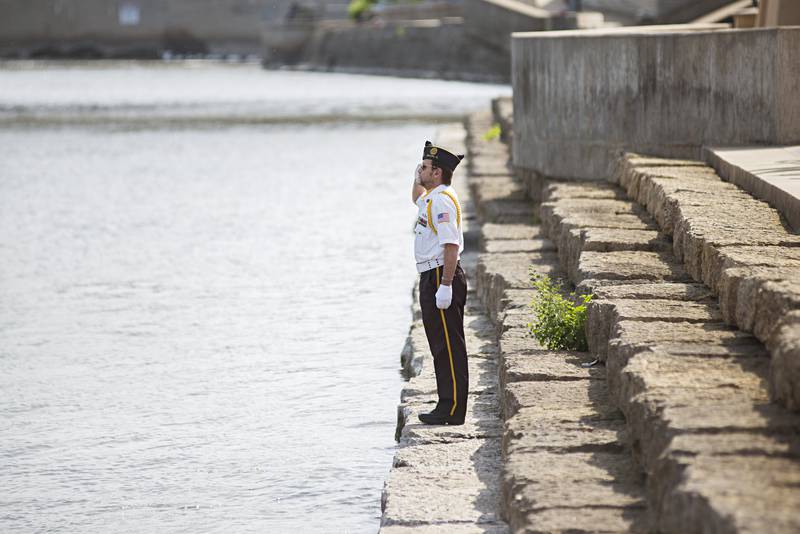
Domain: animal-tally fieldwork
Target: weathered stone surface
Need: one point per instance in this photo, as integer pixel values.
(447, 528)
(569, 190)
(784, 344)
(546, 365)
(663, 395)
(655, 290)
(722, 258)
(517, 299)
(572, 242)
(492, 231)
(488, 166)
(519, 245)
(498, 272)
(603, 315)
(431, 484)
(535, 482)
(720, 493)
(631, 337)
(590, 213)
(629, 265)
(592, 433)
(739, 294)
(555, 394)
(586, 519)
(508, 211)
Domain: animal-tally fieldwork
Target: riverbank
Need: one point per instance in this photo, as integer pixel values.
(672, 429)
(446, 478)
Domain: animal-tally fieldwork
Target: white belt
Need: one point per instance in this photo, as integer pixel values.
(430, 264)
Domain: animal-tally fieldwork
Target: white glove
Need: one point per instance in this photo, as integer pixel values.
(444, 296)
(417, 179)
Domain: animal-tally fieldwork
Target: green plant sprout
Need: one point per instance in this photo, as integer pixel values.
(493, 133)
(560, 323)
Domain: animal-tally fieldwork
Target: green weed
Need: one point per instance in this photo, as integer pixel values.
(560, 323)
(493, 133)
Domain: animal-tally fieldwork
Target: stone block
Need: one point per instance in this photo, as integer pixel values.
(629, 265)
(659, 290)
(508, 211)
(572, 242)
(568, 190)
(545, 365)
(518, 245)
(431, 484)
(603, 316)
(498, 272)
(596, 213)
(527, 432)
(549, 394)
(784, 345)
(632, 337)
(725, 493)
(601, 484)
(722, 258)
(493, 231)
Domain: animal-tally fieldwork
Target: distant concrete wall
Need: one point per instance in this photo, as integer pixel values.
(422, 48)
(110, 26)
(580, 96)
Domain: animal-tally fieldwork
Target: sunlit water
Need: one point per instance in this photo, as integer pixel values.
(200, 326)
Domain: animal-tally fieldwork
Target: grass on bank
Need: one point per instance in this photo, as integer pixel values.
(560, 323)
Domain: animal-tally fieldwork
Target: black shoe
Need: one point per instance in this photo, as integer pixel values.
(438, 418)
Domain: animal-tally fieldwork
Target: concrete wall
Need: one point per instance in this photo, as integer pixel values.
(580, 96)
(421, 48)
(216, 25)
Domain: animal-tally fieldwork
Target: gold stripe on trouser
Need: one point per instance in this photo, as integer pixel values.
(449, 350)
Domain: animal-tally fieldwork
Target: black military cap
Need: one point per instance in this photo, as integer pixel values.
(441, 157)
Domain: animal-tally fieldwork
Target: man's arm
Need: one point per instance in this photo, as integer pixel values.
(450, 262)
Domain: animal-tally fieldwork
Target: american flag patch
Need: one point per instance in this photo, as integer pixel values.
(443, 217)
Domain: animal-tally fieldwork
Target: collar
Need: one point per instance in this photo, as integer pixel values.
(438, 188)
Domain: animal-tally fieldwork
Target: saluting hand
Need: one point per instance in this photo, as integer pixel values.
(444, 297)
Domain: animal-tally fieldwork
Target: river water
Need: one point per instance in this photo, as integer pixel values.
(205, 275)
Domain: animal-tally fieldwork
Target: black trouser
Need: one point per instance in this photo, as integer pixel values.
(445, 332)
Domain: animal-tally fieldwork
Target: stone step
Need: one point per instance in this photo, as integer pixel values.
(737, 245)
(692, 388)
(447, 478)
(566, 465)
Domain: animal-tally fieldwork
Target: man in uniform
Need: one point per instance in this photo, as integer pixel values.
(438, 245)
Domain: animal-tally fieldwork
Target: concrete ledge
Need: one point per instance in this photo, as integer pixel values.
(404, 48)
(666, 91)
(769, 173)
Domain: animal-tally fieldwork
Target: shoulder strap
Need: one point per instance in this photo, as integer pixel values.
(455, 203)
(458, 208)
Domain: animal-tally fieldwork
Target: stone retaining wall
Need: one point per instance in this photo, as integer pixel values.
(736, 245)
(658, 90)
(99, 27)
(717, 454)
(411, 48)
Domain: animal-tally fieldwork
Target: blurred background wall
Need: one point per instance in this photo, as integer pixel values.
(135, 28)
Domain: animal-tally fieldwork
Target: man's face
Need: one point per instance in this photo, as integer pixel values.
(427, 174)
